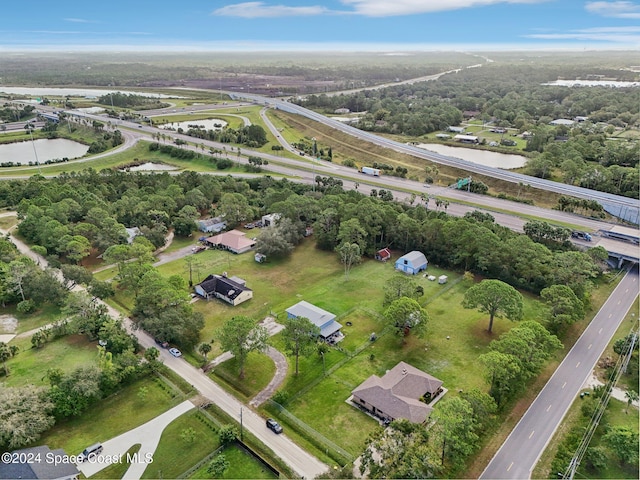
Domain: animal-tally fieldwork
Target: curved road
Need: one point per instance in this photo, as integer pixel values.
(520, 452)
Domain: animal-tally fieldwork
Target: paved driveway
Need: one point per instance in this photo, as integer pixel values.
(148, 435)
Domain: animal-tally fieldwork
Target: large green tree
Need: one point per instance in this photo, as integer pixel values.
(564, 307)
(300, 337)
(454, 429)
(350, 255)
(400, 451)
(25, 413)
(405, 316)
(496, 298)
(242, 335)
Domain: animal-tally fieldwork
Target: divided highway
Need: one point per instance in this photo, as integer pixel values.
(628, 208)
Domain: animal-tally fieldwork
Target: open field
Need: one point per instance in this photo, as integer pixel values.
(31, 364)
(98, 424)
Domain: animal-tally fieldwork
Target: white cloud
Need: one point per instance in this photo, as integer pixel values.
(260, 10)
(368, 8)
(621, 9)
(78, 20)
(387, 8)
(626, 35)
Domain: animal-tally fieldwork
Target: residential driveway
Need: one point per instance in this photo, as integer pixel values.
(148, 435)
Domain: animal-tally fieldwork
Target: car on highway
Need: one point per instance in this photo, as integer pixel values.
(273, 426)
(175, 352)
(162, 343)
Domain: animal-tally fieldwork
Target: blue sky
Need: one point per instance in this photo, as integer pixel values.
(350, 25)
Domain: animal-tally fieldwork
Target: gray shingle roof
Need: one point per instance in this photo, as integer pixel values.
(398, 392)
(42, 469)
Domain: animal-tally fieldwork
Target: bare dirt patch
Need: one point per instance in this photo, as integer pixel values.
(8, 324)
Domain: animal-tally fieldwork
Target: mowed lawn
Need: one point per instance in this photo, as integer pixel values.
(454, 340)
(31, 364)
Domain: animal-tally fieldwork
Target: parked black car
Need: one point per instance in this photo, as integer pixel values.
(273, 426)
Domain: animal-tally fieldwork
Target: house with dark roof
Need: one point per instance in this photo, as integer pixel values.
(326, 321)
(235, 241)
(232, 290)
(403, 392)
(39, 463)
(413, 263)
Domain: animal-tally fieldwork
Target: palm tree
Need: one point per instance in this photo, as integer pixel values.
(632, 396)
(204, 349)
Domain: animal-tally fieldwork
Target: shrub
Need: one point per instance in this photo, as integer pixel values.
(26, 306)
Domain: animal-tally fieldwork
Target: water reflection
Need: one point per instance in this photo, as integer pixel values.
(21, 153)
(481, 157)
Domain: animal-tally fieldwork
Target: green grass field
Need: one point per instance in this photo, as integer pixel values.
(31, 364)
(118, 469)
(243, 465)
(175, 454)
(112, 416)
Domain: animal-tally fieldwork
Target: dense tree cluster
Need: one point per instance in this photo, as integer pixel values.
(253, 136)
(15, 113)
(131, 100)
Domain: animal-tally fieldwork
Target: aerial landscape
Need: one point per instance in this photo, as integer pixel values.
(335, 239)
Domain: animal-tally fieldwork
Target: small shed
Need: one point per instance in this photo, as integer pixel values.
(442, 279)
(413, 263)
(383, 255)
(260, 258)
(270, 219)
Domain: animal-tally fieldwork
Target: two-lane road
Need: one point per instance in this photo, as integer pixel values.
(520, 452)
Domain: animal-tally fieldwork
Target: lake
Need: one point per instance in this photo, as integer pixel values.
(481, 157)
(57, 148)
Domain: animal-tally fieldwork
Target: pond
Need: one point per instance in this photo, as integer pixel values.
(481, 157)
(149, 167)
(22, 153)
(207, 124)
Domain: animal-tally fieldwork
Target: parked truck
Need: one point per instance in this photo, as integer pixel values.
(371, 171)
(581, 235)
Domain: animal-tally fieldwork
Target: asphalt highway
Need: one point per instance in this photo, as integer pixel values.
(520, 452)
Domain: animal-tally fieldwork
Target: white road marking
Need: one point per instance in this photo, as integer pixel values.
(531, 434)
(590, 345)
(549, 407)
(577, 364)
(564, 385)
(510, 466)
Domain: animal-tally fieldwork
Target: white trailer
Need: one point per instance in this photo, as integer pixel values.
(371, 171)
